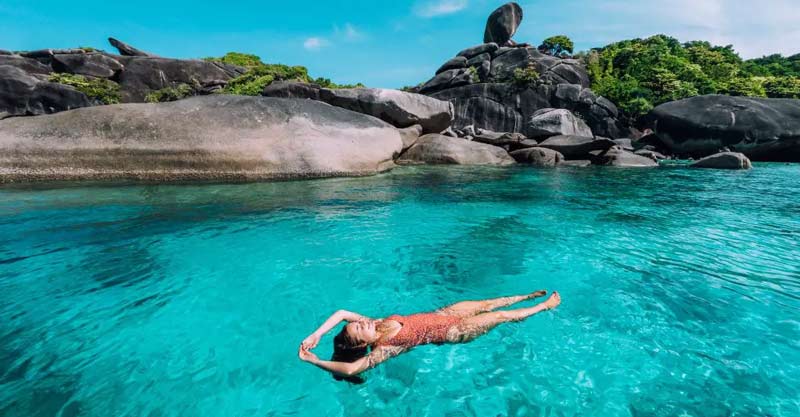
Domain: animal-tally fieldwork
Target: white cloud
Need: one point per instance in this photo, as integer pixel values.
(315, 44)
(440, 8)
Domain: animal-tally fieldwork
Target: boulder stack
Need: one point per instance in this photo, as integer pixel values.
(503, 24)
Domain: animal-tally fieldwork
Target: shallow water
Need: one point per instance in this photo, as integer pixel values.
(681, 293)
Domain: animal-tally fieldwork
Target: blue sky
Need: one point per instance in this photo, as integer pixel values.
(383, 43)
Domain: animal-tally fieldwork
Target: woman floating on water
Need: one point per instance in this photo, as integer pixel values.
(364, 343)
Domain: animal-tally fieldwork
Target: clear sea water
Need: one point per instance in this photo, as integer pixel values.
(681, 293)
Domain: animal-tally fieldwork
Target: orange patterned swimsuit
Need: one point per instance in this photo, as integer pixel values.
(421, 329)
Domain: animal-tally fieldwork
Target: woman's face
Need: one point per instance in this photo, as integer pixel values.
(362, 332)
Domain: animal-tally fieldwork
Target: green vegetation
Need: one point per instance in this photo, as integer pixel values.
(639, 74)
(259, 75)
(527, 77)
(178, 92)
(474, 78)
(557, 45)
(102, 90)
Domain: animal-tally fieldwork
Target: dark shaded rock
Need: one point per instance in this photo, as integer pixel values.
(144, 75)
(38, 54)
(479, 59)
(724, 160)
(541, 157)
(447, 79)
(24, 95)
(396, 107)
(29, 65)
(619, 157)
(484, 71)
(206, 138)
(576, 147)
(505, 140)
(455, 63)
(763, 129)
(494, 106)
(440, 149)
(91, 64)
(483, 48)
(127, 50)
(503, 24)
(571, 94)
(292, 89)
(553, 122)
(4, 52)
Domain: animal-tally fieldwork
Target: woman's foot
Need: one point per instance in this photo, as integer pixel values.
(553, 301)
(537, 294)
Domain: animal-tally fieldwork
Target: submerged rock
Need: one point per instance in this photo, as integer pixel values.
(440, 149)
(209, 138)
(503, 24)
(761, 128)
(724, 160)
(541, 157)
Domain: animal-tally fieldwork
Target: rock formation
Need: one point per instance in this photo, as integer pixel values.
(440, 149)
(210, 138)
(724, 160)
(503, 24)
(761, 128)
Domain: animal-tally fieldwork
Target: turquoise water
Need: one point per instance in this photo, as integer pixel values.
(681, 293)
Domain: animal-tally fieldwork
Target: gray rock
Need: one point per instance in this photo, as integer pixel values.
(29, 65)
(91, 64)
(399, 108)
(144, 75)
(484, 71)
(4, 52)
(576, 147)
(506, 140)
(570, 93)
(472, 51)
(763, 129)
(292, 89)
(410, 135)
(619, 157)
(553, 122)
(624, 144)
(208, 138)
(454, 63)
(578, 163)
(127, 50)
(439, 149)
(541, 157)
(656, 156)
(724, 160)
(477, 60)
(24, 95)
(447, 79)
(503, 24)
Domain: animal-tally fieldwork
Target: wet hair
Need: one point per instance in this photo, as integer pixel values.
(344, 350)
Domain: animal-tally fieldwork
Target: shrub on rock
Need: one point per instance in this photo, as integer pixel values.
(99, 89)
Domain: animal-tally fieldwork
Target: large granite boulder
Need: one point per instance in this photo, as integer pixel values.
(506, 140)
(144, 75)
(208, 138)
(553, 122)
(577, 147)
(540, 157)
(29, 65)
(440, 149)
(396, 107)
(763, 129)
(22, 94)
(503, 24)
(724, 160)
(91, 64)
(618, 157)
(292, 89)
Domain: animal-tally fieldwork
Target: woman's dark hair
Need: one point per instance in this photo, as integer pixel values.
(344, 350)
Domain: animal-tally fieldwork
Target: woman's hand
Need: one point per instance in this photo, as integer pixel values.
(307, 356)
(311, 342)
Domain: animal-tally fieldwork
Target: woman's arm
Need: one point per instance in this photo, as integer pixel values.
(335, 318)
(377, 356)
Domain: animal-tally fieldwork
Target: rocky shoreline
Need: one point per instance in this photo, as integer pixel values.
(497, 103)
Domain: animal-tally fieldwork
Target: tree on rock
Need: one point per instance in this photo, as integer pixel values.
(557, 45)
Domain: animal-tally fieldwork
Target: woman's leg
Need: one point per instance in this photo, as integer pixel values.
(472, 308)
(473, 327)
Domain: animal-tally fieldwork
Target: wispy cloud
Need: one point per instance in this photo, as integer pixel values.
(349, 33)
(440, 8)
(315, 43)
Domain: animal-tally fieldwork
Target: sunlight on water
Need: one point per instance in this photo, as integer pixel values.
(681, 293)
